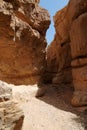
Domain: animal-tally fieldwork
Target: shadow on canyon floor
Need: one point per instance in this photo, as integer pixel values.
(60, 98)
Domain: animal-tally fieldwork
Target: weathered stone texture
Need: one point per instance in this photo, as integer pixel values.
(59, 53)
(11, 116)
(23, 25)
(68, 51)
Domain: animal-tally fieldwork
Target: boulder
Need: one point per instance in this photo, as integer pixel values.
(11, 115)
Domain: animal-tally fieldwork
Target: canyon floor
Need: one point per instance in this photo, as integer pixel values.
(53, 111)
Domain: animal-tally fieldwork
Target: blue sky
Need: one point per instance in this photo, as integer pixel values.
(52, 6)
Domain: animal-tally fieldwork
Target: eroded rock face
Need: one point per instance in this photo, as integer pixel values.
(78, 36)
(59, 53)
(67, 55)
(11, 116)
(23, 25)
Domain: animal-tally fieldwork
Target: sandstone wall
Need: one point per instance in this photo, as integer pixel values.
(67, 55)
(23, 26)
(59, 53)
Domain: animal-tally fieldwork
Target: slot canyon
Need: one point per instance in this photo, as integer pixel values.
(43, 87)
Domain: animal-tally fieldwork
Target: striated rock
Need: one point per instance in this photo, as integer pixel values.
(11, 116)
(67, 54)
(23, 26)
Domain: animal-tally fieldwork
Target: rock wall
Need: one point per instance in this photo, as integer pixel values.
(67, 54)
(23, 26)
(59, 53)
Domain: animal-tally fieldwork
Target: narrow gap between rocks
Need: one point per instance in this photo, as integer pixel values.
(45, 101)
(52, 9)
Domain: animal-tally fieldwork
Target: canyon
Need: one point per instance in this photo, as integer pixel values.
(58, 71)
(67, 55)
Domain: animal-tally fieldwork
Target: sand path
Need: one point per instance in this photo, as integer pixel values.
(50, 112)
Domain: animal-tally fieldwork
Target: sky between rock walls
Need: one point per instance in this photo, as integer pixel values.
(52, 6)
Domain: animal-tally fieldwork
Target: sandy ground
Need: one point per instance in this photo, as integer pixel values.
(51, 112)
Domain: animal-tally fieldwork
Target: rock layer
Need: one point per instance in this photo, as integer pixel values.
(67, 54)
(23, 25)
